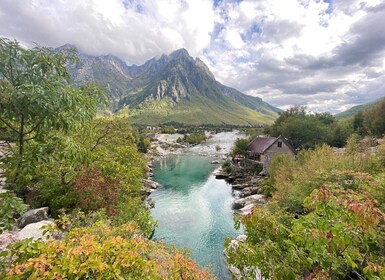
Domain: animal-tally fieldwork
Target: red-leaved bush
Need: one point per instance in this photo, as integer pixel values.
(95, 191)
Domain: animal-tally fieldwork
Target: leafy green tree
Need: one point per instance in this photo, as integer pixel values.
(36, 96)
(144, 144)
(301, 129)
(240, 147)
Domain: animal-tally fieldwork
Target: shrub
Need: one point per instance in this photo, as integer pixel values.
(99, 252)
(341, 237)
(10, 208)
(195, 138)
(94, 192)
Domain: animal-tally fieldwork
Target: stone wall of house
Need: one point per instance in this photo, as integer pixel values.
(273, 150)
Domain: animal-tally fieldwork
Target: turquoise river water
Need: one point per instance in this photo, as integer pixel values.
(193, 209)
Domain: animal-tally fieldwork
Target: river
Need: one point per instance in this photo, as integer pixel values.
(192, 208)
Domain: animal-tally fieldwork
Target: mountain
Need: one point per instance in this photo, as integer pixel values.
(359, 108)
(172, 88)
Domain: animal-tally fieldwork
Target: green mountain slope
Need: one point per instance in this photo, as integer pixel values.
(359, 108)
(172, 88)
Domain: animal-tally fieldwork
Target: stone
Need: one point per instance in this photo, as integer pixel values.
(246, 210)
(149, 184)
(33, 216)
(256, 198)
(221, 175)
(147, 191)
(7, 238)
(249, 191)
(239, 203)
(33, 230)
(240, 186)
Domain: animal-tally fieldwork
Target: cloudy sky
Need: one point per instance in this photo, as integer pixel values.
(326, 54)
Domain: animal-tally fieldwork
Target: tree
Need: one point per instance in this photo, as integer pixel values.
(301, 129)
(240, 147)
(36, 95)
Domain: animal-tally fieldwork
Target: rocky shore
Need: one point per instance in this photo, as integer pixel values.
(246, 189)
(247, 195)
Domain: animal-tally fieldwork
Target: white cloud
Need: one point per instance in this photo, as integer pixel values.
(303, 52)
(285, 51)
(135, 32)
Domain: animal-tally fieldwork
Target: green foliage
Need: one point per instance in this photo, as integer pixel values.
(240, 147)
(99, 252)
(355, 109)
(342, 235)
(301, 129)
(369, 120)
(101, 169)
(226, 166)
(144, 144)
(325, 219)
(195, 138)
(10, 208)
(37, 97)
(167, 129)
(198, 110)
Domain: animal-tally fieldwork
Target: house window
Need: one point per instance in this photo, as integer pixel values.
(279, 144)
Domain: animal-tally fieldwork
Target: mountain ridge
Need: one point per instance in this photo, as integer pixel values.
(358, 108)
(171, 88)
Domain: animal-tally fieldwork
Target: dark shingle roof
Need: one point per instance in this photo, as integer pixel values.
(260, 144)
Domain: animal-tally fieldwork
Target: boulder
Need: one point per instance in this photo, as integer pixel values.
(248, 209)
(147, 191)
(33, 230)
(249, 191)
(239, 203)
(149, 184)
(256, 198)
(33, 216)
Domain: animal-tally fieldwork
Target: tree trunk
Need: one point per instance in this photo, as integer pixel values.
(21, 152)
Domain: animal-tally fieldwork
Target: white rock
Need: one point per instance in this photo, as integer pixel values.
(33, 230)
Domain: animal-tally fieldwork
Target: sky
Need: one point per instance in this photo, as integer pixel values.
(328, 55)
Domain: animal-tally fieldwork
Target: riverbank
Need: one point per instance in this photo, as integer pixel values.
(192, 208)
(246, 187)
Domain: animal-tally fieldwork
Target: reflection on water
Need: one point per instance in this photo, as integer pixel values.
(193, 209)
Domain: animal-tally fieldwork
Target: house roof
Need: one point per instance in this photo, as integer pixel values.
(260, 144)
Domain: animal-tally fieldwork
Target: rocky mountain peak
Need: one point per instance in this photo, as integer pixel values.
(67, 47)
(181, 53)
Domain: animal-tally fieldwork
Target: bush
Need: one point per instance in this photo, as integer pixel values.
(11, 207)
(195, 138)
(95, 192)
(226, 166)
(342, 235)
(99, 252)
(144, 144)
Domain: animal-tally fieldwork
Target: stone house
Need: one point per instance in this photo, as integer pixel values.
(262, 149)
